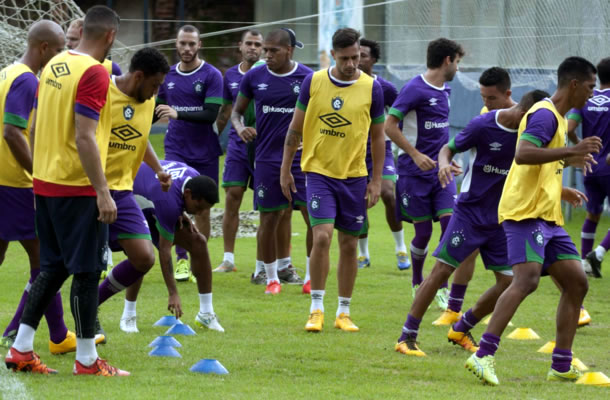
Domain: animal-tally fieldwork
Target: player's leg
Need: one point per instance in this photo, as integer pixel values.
(282, 243)
(443, 201)
(462, 276)
(347, 270)
(3, 248)
(596, 194)
(308, 247)
(230, 224)
(266, 243)
(364, 258)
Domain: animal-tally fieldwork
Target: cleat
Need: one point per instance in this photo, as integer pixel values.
(182, 272)
(105, 272)
(99, 332)
(447, 317)
(570, 376)
(344, 322)
(584, 318)
(274, 287)
(129, 324)
(289, 276)
(226, 266)
(414, 290)
(8, 340)
(192, 277)
(403, 260)
(363, 262)
(99, 367)
(260, 279)
(66, 346)
(483, 368)
(596, 265)
(209, 321)
(26, 362)
(586, 266)
(307, 287)
(315, 322)
(409, 347)
(442, 298)
(463, 339)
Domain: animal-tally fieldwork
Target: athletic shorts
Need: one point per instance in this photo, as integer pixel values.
(422, 198)
(238, 170)
(389, 166)
(17, 214)
(597, 189)
(70, 235)
(339, 202)
(462, 237)
(537, 240)
(299, 199)
(130, 222)
(204, 167)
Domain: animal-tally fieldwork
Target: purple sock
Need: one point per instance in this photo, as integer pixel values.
(410, 329)
(14, 324)
(488, 345)
(419, 250)
(444, 221)
(119, 278)
(587, 236)
(456, 297)
(466, 323)
(181, 254)
(606, 241)
(55, 320)
(562, 359)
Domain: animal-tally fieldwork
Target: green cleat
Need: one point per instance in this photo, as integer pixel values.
(442, 298)
(414, 290)
(484, 368)
(8, 340)
(183, 271)
(572, 375)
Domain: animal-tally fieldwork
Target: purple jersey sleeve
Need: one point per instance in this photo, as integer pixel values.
(213, 94)
(405, 101)
(575, 114)
(227, 97)
(116, 70)
(377, 104)
(245, 88)
(304, 94)
(161, 97)
(541, 127)
(389, 94)
(468, 137)
(20, 100)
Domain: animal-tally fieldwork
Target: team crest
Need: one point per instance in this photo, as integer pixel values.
(198, 86)
(456, 239)
(314, 203)
(128, 112)
(261, 191)
(404, 200)
(538, 237)
(337, 103)
(104, 255)
(296, 88)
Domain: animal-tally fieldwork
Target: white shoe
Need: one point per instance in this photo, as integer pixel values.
(209, 321)
(129, 325)
(586, 266)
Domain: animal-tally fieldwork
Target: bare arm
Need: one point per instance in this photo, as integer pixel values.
(17, 143)
(151, 159)
(572, 125)
(424, 162)
(530, 154)
(247, 134)
(167, 270)
(378, 152)
(32, 135)
(291, 145)
(223, 117)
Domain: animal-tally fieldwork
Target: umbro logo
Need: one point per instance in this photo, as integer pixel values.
(600, 100)
(262, 86)
(495, 146)
(60, 69)
(360, 219)
(433, 101)
(234, 85)
(126, 132)
(170, 85)
(390, 168)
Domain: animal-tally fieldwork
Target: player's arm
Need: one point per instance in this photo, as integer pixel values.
(17, 143)
(574, 119)
(246, 133)
(151, 159)
(205, 116)
(373, 188)
(424, 162)
(293, 140)
(174, 304)
(223, 117)
(573, 196)
(447, 168)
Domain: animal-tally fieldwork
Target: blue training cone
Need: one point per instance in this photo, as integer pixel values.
(168, 320)
(180, 329)
(209, 366)
(165, 341)
(164, 351)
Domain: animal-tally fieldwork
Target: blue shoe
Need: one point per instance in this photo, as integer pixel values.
(403, 260)
(363, 262)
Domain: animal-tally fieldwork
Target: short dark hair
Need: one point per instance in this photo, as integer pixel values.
(203, 187)
(495, 76)
(440, 49)
(281, 36)
(373, 45)
(100, 20)
(603, 71)
(189, 29)
(150, 61)
(574, 68)
(531, 98)
(345, 37)
(252, 32)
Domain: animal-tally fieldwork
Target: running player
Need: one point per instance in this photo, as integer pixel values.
(274, 89)
(369, 55)
(491, 138)
(423, 103)
(238, 170)
(70, 141)
(18, 85)
(595, 119)
(191, 97)
(530, 213)
(337, 109)
(73, 35)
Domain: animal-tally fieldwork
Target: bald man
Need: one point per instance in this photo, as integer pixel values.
(73, 35)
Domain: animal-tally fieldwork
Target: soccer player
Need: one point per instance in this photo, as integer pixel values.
(238, 170)
(492, 138)
(423, 103)
(191, 97)
(369, 55)
(495, 89)
(18, 85)
(133, 106)
(595, 119)
(530, 214)
(73, 204)
(274, 88)
(337, 109)
(73, 35)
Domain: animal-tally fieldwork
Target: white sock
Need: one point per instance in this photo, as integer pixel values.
(363, 247)
(283, 263)
(399, 241)
(25, 338)
(129, 309)
(599, 252)
(343, 307)
(86, 353)
(110, 262)
(230, 257)
(307, 277)
(205, 303)
(271, 270)
(317, 300)
(260, 266)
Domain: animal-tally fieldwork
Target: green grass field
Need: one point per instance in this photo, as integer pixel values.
(270, 356)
